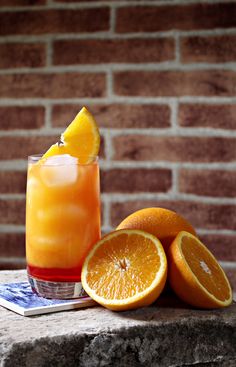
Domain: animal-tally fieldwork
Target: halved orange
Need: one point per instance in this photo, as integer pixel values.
(81, 139)
(195, 275)
(126, 269)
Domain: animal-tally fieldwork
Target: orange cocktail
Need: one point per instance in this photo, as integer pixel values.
(62, 222)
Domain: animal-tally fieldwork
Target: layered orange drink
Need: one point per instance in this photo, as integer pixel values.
(63, 210)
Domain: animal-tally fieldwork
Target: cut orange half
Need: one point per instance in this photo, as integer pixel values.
(81, 139)
(126, 269)
(195, 275)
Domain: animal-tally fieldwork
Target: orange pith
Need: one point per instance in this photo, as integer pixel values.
(81, 139)
(126, 269)
(195, 275)
(163, 223)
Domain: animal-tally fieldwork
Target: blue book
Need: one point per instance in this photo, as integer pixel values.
(20, 298)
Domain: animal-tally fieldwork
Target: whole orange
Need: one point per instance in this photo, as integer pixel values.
(163, 223)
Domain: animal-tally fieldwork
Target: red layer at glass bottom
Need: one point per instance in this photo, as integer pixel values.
(55, 274)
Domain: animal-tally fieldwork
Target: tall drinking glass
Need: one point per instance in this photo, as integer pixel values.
(62, 222)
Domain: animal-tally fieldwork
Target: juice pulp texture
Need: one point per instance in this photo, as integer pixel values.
(62, 219)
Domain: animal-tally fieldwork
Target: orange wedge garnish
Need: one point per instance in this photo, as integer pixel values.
(81, 139)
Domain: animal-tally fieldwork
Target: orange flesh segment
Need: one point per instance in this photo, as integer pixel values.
(205, 268)
(115, 275)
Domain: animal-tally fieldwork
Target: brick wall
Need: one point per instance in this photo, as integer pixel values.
(160, 77)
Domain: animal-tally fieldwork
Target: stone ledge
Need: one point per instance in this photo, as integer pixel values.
(165, 334)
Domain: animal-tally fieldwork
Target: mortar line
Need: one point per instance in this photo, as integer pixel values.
(16, 228)
(17, 9)
(106, 213)
(177, 48)
(47, 122)
(44, 131)
(223, 232)
(105, 229)
(112, 19)
(208, 166)
(109, 151)
(107, 166)
(55, 6)
(7, 259)
(49, 53)
(94, 4)
(21, 164)
(109, 80)
(25, 38)
(174, 115)
(12, 228)
(124, 197)
(150, 3)
(42, 101)
(18, 165)
(164, 164)
(161, 66)
(12, 196)
(175, 177)
(168, 100)
(228, 264)
(48, 130)
(206, 199)
(180, 132)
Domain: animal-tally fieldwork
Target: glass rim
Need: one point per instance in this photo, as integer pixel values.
(92, 159)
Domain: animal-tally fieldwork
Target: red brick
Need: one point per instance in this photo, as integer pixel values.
(200, 215)
(208, 182)
(118, 51)
(18, 117)
(17, 55)
(67, 85)
(12, 182)
(175, 83)
(117, 115)
(22, 2)
(135, 180)
(182, 17)
(208, 49)
(231, 274)
(54, 21)
(174, 149)
(12, 211)
(222, 246)
(222, 116)
(20, 147)
(12, 244)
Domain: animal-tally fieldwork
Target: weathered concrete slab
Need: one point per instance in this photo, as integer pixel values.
(165, 334)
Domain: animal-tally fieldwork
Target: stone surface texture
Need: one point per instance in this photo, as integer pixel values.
(166, 334)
